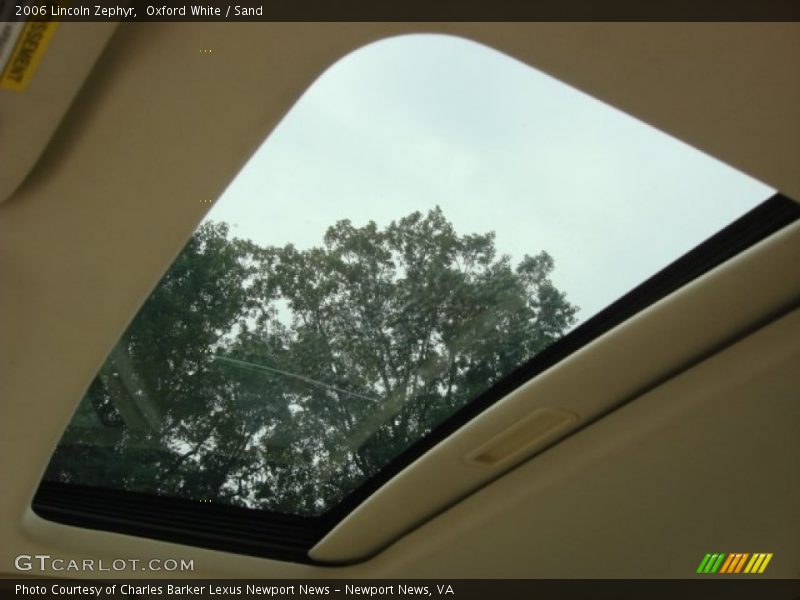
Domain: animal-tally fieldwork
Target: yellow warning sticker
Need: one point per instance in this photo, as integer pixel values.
(31, 45)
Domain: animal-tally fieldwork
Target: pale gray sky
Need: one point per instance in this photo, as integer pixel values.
(411, 122)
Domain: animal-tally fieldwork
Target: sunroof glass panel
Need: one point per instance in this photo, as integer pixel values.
(428, 217)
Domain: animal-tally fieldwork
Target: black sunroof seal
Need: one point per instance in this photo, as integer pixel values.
(290, 537)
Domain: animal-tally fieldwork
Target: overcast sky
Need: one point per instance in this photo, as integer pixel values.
(408, 123)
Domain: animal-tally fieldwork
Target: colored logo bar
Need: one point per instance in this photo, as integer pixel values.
(736, 562)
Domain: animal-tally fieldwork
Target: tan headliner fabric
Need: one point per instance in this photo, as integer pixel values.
(156, 132)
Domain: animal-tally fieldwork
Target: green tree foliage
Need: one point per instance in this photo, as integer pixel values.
(281, 378)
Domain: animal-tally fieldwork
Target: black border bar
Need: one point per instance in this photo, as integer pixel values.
(423, 10)
(731, 588)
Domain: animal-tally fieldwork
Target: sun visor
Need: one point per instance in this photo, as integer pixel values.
(42, 66)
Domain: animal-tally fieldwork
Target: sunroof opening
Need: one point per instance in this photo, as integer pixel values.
(429, 217)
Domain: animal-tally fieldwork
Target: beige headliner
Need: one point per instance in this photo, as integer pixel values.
(159, 128)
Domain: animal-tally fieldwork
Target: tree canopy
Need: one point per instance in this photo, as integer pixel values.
(282, 378)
